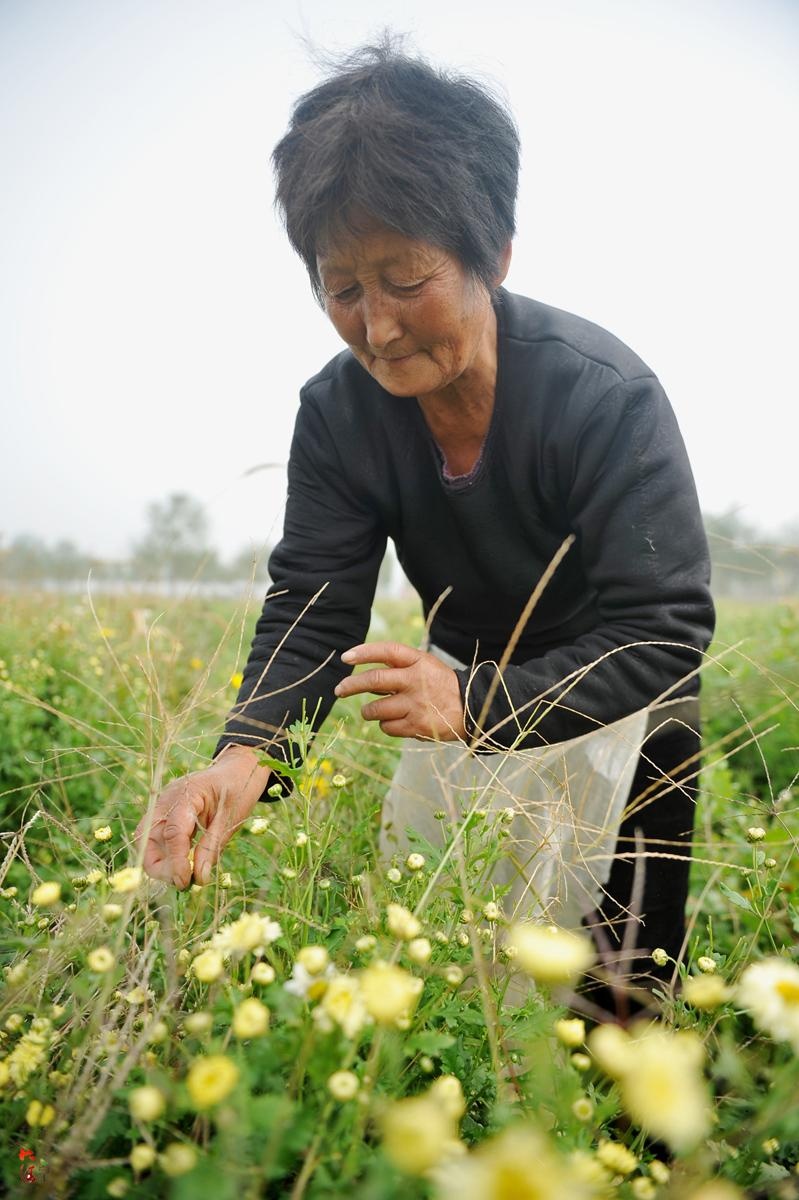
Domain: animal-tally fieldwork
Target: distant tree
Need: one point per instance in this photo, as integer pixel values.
(25, 561)
(176, 542)
(67, 563)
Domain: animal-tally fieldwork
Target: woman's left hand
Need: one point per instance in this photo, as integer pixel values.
(422, 696)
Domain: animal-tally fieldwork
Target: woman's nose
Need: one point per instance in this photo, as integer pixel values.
(380, 323)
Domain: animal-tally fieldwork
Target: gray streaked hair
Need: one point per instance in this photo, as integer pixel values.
(387, 138)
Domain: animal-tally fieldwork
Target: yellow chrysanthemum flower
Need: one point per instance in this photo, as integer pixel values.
(251, 1019)
(419, 950)
(343, 1085)
(570, 1032)
(262, 973)
(314, 959)
(343, 1003)
(417, 1134)
(46, 894)
(208, 966)
(705, 992)
(518, 1164)
(610, 1046)
(615, 1157)
(211, 1079)
(39, 1114)
(126, 880)
(142, 1157)
(146, 1103)
(447, 1091)
(402, 923)
(100, 960)
(178, 1159)
(550, 955)
(389, 993)
(198, 1023)
(663, 1088)
(103, 833)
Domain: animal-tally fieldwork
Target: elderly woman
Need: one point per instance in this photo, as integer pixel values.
(502, 444)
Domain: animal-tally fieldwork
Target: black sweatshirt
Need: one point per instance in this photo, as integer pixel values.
(582, 441)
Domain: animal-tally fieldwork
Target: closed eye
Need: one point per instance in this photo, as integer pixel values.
(405, 288)
(344, 296)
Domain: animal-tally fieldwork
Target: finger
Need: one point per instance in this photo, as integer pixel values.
(397, 728)
(394, 708)
(176, 836)
(383, 680)
(156, 862)
(211, 845)
(395, 654)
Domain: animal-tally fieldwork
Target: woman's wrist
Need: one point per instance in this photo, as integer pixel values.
(243, 760)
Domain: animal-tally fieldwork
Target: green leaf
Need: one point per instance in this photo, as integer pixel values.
(736, 898)
(428, 1041)
(209, 1182)
(277, 764)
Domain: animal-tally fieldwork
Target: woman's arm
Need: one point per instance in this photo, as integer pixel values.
(324, 574)
(630, 500)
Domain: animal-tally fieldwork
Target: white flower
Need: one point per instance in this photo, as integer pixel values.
(492, 911)
(103, 833)
(755, 833)
(307, 986)
(769, 991)
(659, 956)
(706, 964)
(393, 875)
(259, 826)
(414, 862)
(250, 932)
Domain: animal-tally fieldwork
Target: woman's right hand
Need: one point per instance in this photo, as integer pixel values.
(217, 799)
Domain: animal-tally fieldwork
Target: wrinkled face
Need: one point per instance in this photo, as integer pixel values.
(409, 312)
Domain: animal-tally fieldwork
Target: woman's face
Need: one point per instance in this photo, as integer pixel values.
(409, 312)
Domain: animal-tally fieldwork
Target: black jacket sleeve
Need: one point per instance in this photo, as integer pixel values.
(629, 498)
(324, 574)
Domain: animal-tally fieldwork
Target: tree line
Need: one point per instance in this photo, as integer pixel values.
(175, 547)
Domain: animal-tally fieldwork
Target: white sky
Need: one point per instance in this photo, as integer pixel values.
(155, 327)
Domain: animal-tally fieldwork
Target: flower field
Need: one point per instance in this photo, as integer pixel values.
(314, 1023)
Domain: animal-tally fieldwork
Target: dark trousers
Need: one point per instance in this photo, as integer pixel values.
(643, 905)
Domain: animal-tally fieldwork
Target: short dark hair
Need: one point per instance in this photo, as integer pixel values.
(426, 152)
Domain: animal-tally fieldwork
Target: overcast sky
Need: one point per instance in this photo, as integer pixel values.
(155, 327)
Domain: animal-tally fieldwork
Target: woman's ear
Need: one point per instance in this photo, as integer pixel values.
(504, 265)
